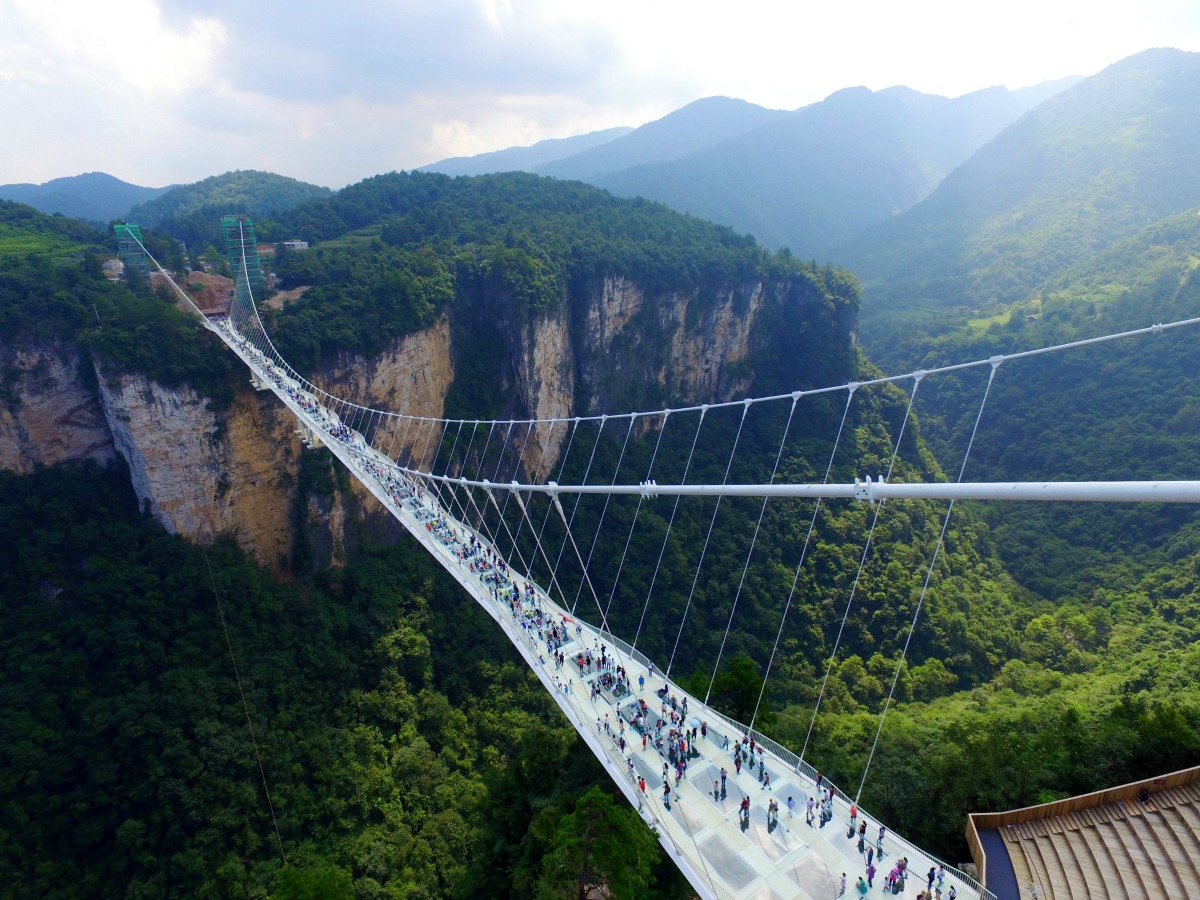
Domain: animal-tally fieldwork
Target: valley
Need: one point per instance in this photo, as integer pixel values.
(409, 750)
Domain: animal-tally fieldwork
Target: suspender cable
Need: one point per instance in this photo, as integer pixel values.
(812, 524)
(753, 541)
(925, 587)
(861, 564)
(579, 497)
(535, 477)
(496, 474)
(508, 495)
(629, 537)
(433, 482)
(538, 544)
(603, 513)
(675, 508)
(504, 523)
(704, 549)
(578, 556)
(550, 506)
(537, 534)
(408, 420)
(446, 471)
(490, 533)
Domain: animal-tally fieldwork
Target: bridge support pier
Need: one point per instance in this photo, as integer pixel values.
(309, 438)
(257, 383)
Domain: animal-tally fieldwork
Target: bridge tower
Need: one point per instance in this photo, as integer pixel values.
(129, 246)
(241, 249)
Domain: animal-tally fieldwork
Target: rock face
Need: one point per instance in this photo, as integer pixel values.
(206, 473)
(412, 376)
(52, 415)
(202, 475)
(684, 345)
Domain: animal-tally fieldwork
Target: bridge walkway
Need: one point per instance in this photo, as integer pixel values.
(723, 854)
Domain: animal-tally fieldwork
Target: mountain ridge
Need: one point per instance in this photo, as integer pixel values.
(807, 178)
(524, 159)
(1094, 163)
(91, 196)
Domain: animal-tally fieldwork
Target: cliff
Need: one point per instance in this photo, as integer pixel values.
(51, 414)
(237, 471)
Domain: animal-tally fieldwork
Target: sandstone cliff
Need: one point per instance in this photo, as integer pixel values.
(206, 473)
(51, 415)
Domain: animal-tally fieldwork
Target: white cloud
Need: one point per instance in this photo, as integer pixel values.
(70, 41)
(157, 91)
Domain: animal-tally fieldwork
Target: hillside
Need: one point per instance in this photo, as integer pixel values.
(525, 159)
(94, 197)
(512, 296)
(191, 212)
(1126, 410)
(806, 179)
(829, 170)
(1089, 166)
(694, 127)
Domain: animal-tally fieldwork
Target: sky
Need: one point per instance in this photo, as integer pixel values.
(160, 92)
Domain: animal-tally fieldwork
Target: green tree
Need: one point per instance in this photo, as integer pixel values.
(321, 882)
(600, 846)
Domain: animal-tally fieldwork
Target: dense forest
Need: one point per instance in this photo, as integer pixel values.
(1055, 653)
(398, 764)
(191, 213)
(52, 290)
(400, 247)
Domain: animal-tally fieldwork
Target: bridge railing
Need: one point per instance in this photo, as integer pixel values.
(739, 730)
(802, 767)
(845, 800)
(650, 811)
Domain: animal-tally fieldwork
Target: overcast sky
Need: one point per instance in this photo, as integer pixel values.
(164, 91)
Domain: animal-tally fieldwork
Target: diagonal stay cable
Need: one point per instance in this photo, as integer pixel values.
(629, 537)
(541, 534)
(753, 542)
(675, 508)
(703, 550)
(603, 513)
(537, 470)
(812, 524)
(579, 497)
(861, 564)
(925, 587)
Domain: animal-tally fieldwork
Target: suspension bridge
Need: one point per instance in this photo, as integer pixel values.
(740, 815)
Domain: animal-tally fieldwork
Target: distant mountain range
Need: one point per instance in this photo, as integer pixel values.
(95, 196)
(807, 179)
(526, 159)
(1091, 165)
(191, 212)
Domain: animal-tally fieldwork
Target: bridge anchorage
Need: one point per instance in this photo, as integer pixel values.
(723, 816)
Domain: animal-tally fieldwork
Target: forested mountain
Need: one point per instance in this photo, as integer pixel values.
(805, 179)
(809, 180)
(398, 763)
(191, 212)
(997, 672)
(1070, 224)
(525, 159)
(694, 127)
(94, 197)
(1089, 166)
(410, 753)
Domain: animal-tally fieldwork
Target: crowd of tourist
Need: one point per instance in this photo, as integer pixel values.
(549, 636)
